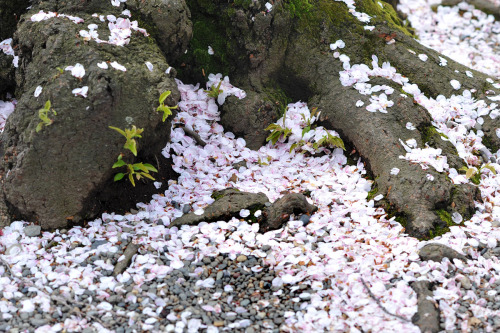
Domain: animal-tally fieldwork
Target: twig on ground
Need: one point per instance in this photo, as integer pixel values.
(380, 304)
(129, 252)
(193, 135)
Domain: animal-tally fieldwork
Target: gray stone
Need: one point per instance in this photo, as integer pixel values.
(14, 248)
(465, 282)
(186, 209)
(32, 230)
(305, 218)
(436, 252)
(97, 243)
(38, 322)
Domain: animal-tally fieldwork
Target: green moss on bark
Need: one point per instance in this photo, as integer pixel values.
(211, 27)
(430, 135)
(387, 14)
(278, 97)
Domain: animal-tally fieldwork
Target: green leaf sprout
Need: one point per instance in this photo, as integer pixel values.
(137, 170)
(130, 134)
(167, 110)
(474, 174)
(214, 91)
(43, 114)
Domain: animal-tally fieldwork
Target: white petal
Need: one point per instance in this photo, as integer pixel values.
(38, 91)
(455, 84)
(117, 66)
(81, 91)
(394, 171)
(456, 217)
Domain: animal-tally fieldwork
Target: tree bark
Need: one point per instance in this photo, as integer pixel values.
(286, 51)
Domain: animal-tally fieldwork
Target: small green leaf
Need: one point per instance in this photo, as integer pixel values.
(147, 175)
(470, 172)
(119, 176)
(130, 169)
(131, 178)
(137, 132)
(292, 147)
(119, 163)
(39, 127)
(337, 142)
(47, 105)
(491, 168)
(306, 130)
(118, 130)
(164, 96)
(272, 127)
(150, 167)
(274, 137)
(132, 146)
(138, 167)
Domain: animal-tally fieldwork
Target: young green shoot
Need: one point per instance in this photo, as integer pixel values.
(474, 174)
(139, 170)
(130, 134)
(214, 91)
(308, 122)
(329, 140)
(167, 110)
(43, 114)
(278, 131)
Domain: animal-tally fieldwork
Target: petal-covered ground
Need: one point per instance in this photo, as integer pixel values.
(346, 269)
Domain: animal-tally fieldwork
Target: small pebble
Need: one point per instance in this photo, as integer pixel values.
(33, 230)
(186, 209)
(305, 219)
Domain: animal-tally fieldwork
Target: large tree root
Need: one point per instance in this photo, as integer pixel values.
(287, 51)
(229, 203)
(427, 316)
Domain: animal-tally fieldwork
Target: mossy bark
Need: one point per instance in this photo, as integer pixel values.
(289, 51)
